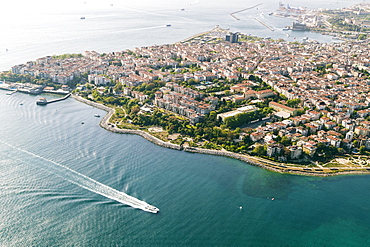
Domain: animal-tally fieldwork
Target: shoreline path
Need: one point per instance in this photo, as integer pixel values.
(256, 161)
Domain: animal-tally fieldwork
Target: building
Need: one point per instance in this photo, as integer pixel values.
(256, 136)
(274, 149)
(295, 152)
(281, 107)
(232, 37)
(244, 109)
(299, 27)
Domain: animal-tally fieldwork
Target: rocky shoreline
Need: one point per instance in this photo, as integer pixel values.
(104, 123)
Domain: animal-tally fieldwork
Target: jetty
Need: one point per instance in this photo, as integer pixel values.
(242, 10)
(43, 101)
(271, 29)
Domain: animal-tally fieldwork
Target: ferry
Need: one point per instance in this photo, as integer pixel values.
(41, 101)
(151, 209)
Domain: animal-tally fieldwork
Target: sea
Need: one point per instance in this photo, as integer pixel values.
(49, 152)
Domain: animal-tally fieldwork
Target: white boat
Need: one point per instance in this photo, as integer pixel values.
(41, 101)
(150, 208)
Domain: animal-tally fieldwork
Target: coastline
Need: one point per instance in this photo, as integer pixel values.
(252, 160)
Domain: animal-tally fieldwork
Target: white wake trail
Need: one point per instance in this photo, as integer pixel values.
(90, 184)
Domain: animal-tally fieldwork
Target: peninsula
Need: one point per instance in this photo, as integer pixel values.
(290, 107)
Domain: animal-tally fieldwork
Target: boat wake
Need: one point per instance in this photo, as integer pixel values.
(90, 184)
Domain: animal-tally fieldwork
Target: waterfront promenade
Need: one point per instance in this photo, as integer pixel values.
(253, 160)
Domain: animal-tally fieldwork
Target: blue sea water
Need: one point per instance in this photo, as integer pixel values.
(204, 200)
(199, 195)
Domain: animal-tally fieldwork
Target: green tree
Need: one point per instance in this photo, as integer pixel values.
(259, 150)
(285, 141)
(362, 36)
(293, 102)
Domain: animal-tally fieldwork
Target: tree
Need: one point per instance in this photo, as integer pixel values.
(355, 143)
(362, 36)
(259, 150)
(285, 141)
(293, 102)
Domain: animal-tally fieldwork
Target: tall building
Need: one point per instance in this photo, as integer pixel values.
(232, 38)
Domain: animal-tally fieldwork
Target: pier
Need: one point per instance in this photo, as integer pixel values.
(43, 101)
(271, 29)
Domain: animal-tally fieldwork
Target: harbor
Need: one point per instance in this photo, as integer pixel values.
(30, 88)
(34, 89)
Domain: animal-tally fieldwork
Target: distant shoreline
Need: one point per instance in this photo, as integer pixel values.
(252, 160)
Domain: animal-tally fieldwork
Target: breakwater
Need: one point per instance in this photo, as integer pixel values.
(44, 102)
(271, 29)
(242, 10)
(256, 161)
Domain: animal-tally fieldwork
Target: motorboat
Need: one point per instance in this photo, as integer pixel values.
(150, 208)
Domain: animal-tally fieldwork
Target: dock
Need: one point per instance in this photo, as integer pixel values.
(43, 101)
(12, 92)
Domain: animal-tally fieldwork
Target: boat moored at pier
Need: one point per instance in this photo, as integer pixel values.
(41, 101)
